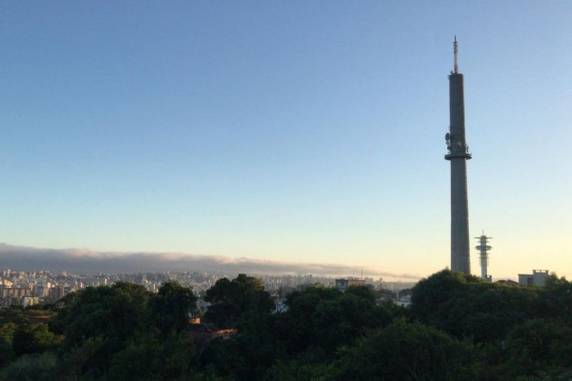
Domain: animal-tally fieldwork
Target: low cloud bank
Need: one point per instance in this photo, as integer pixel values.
(86, 261)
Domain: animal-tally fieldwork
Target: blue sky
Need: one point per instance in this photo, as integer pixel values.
(306, 131)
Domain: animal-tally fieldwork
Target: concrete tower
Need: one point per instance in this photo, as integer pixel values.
(483, 249)
(458, 154)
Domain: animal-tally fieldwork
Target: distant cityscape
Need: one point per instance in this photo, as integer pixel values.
(28, 288)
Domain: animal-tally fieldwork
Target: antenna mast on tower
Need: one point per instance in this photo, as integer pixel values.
(455, 56)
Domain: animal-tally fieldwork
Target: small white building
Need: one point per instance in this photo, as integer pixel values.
(537, 278)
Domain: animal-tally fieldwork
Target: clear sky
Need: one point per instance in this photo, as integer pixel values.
(306, 131)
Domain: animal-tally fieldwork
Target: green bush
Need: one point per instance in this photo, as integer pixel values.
(38, 367)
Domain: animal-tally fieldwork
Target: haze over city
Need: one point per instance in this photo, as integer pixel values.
(308, 133)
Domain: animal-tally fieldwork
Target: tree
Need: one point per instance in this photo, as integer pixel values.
(555, 299)
(99, 322)
(296, 327)
(233, 300)
(325, 318)
(297, 369)
(171, 307)
(37, 367)
(464, 306)
(406, 351)
(6, 335)
(7, 332)
(117, 313)
(538, 347)
(243, 304)
(165, 358)
(35, 338)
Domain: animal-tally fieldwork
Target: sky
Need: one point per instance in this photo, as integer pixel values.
(298, 131)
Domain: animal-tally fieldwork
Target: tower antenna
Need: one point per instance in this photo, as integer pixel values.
(455, 56)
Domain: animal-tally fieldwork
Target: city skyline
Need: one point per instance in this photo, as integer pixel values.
(307, 133)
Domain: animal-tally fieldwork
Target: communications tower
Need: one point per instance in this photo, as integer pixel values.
(458, 154)
(483, 249)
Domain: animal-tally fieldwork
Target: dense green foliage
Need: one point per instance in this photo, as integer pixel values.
(457, 328)
(467, 308)
(233, 300)
(170, 308)
(407, 351)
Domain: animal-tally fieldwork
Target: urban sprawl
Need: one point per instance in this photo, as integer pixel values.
(28, 288)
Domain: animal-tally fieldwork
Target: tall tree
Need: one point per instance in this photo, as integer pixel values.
(99, 322)
(464, 306)
(406, 351)
(325, 318)
(232, 300)
(171, 307)
(539, 347)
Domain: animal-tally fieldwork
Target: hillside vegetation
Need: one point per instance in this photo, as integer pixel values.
(457, 328)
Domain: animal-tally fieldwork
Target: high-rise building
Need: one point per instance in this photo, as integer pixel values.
(458, 154)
